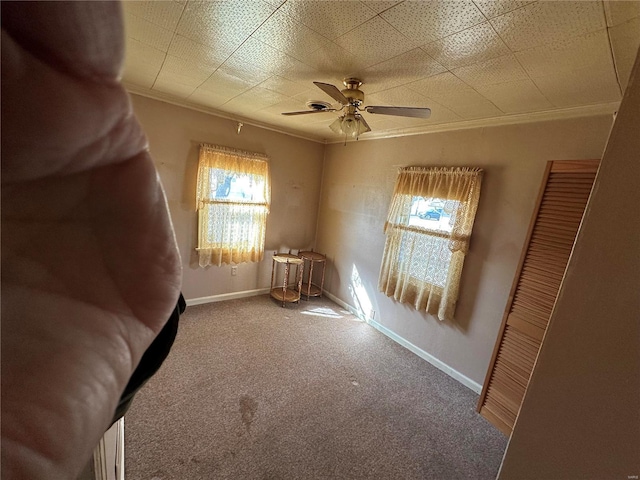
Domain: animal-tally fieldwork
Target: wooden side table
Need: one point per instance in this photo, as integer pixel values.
(309, 288)
(285, 293)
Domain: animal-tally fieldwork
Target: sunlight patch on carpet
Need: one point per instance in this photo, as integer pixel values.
(322, 312)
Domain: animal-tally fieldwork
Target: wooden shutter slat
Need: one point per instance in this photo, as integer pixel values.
(535, 268)
(560, 226)
(542, 253)
(537, 286)
(561, 216)
(561, 202)
(555, 240)
(531, 329)
(572, 175)
(512, 383)
(570, 166)
(534, 295)
(537, 319)
(536, 313)
(544, 285)
(531, 320)
(566, 211)
(546, 251)
(519, 355)
(521, 338)
(557, 201)
(552, 233)
(496, 408)
(565, 201)
(553, 228)
(542, 239)
(568, 187)
(536, 264)
(564, 216)
(504, 412)
(532, 308)
(585, 184)
(543, 277)
(547, 234)
(566, 193)
(542, 236)
(506, 397)
(551, 244)
(553, 280)
(535, 290)
(538, 316)
(513, 370)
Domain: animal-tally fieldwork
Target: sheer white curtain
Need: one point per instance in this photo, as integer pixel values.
(425, 247)
(232, 197)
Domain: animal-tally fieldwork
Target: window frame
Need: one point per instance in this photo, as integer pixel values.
(238, 219)
(431, 287)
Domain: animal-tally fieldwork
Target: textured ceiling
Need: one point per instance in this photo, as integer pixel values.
(471, 62)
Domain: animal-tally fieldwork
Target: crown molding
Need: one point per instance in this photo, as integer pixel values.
(212, 111)
(515, 119)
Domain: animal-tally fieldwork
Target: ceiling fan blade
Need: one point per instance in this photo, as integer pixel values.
(416, 112)
(365, 126)
(304, 112)
(332, 91)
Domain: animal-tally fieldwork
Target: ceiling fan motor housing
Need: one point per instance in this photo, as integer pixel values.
(352, 92)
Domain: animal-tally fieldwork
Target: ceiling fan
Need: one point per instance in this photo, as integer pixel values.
(352, 123)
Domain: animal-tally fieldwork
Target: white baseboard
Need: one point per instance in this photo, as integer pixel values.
(439, 364)
(226, 296)
(466, 381)
(345, 305)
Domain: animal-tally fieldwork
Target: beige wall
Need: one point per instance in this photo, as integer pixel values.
(349, 212)
(296, 170)
(581, 414)
(357, 187)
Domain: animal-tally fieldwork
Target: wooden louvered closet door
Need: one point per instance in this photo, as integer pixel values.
(561, 202)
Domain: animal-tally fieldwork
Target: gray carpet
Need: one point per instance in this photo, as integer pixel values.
(252, 390)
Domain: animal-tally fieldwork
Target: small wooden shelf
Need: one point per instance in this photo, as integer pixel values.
(286, 293)
(310, 289)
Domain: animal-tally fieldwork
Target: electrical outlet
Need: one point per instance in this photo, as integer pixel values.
(234, 270)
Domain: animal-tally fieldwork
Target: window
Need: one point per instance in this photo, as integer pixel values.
(428, 230)
(233, 195)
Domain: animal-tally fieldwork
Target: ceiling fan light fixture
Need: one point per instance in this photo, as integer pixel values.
(336, 126)
(350, 125)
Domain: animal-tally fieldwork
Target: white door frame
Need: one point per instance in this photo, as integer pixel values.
(108, 456)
